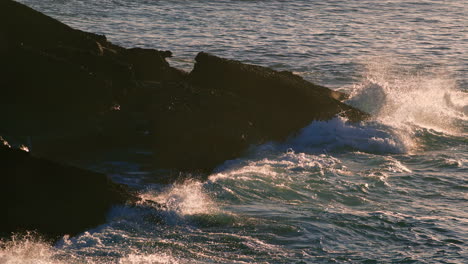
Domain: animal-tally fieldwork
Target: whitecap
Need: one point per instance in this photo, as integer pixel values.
(338, 133)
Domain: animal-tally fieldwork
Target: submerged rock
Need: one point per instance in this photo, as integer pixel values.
(52, 198)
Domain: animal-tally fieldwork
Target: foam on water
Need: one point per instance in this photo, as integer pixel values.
(274, 167)
(279, 178)
(151, 258)
(27, 250)
(339, 134)
(30, 249)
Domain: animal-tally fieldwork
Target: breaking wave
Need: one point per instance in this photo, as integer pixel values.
(412, 102)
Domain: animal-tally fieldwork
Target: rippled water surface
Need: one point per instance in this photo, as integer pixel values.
(391, 190)
(327, 41)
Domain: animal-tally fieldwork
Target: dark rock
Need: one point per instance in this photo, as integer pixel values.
(227, 106)
(276, 91)
(150, 65)
(77, 93)
(52, 198)
(48, 65)
(61, 85)
(21, 25)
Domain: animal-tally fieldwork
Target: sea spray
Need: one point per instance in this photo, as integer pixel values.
(28, 249)
(187, 198)
(408, 98)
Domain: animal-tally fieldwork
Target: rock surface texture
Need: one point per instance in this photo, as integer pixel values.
(225, 106)
(61, 85)
(53, 199)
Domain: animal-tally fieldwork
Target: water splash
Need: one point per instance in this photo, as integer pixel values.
(187, 198)
(31, 249)
(27, 249)
(406, 98)
(338, 134)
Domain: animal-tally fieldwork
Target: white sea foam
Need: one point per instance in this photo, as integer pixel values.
(242, 170)
(279, 177)
(27, 250)
(149, 259)
(30, 249)
(338, 133)
(393, 165)
(455, 162)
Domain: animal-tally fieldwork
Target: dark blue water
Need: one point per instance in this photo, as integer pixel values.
(390, 190)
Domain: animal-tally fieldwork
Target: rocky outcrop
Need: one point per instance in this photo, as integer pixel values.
(62, 86)
(227, 106)
(48, 67)
(76, 93)
(52, 198)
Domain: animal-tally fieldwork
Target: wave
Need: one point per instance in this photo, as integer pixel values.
(29, 249)
(410, 100)
(338, 134)
(85, 248)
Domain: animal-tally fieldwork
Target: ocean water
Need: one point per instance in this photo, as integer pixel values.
(393, 189)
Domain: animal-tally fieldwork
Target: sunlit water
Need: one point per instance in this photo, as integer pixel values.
(391, 190)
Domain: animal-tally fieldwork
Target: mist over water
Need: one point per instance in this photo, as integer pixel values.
(392, 189)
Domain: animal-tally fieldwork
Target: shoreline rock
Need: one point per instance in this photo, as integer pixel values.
(52, 198)
(76, 94)
(226, 106)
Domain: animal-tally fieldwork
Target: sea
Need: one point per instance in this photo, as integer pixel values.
(392, 189)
